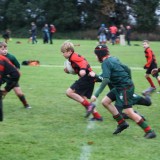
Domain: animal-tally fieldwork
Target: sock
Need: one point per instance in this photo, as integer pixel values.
(85, 103)
(119, 118)
(144, 126)
(96, 115)
(23, 100)
(150, 82)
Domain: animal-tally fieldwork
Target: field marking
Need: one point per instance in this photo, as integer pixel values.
(87, 149)
(60, 66)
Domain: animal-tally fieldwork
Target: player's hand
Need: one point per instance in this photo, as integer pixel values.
(92, 74)
(3, 93)
(145, 67)
(93, 98)
(154, 71)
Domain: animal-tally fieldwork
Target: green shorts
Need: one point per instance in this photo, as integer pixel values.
(123, 97)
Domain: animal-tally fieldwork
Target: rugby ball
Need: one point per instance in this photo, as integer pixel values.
(68, 67)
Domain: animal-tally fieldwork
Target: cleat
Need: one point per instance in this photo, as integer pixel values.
(27, 107)
(90, 109)
(121, 127)
(96, 119)
(148, 91)
(150, 135)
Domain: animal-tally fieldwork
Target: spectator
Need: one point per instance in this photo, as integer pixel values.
(6, 35)
(122, 35)
(113, 30)
(102, 34)
(46, 36)
(33, 33)
(128, 35)
(52, 30)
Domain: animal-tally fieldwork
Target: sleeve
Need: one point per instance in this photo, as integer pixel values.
(105, 81)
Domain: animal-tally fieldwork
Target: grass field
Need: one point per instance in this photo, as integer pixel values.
(55, 127)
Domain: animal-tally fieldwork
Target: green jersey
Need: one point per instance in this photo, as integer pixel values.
(116, 72)
(13, 59)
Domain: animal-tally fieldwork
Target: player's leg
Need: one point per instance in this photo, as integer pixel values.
(149, 133)
(107, 103)
(21, 96)
(83, 87)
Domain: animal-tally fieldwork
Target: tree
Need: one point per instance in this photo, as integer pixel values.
(145, 14)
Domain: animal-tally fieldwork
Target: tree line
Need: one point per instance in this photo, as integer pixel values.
(74, 15)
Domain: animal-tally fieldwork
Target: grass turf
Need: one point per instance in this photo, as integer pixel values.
(55, 127)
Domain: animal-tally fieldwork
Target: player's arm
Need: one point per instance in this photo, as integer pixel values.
(13, 75)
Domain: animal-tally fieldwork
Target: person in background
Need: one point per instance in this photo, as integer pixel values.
(46, 36)
(122, 35)
(33, 33)
(128, 35)
(52, 30)
(102, 34)
(151, 63)
(116, 73)
(81, 90)
(17, 89)
(6, 35)
(113, 31)
(7, 69)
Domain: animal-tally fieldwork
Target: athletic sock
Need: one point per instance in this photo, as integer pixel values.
(119, 118)
(144, 126)
(85, 103)
(96, 115)
(23, 100)
(150, 82)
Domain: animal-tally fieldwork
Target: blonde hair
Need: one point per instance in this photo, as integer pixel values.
(146, 41)
(67, 46)
(3, 44)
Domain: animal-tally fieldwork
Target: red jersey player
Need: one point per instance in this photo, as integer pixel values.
(149, 66)
(82, 89)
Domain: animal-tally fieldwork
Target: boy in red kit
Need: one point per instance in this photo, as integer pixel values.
(149, 66)
(82, 89)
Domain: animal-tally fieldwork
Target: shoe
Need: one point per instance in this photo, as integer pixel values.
(27, 107)
(148, 91)
(96, 119)
(90, 109)
(121, 127)
(150, 135)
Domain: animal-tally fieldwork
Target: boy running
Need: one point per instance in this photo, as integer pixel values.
(17, 89)
(117, 74)
(82, 89)
(149, 66)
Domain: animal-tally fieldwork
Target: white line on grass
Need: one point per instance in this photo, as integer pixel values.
(87, 149)
(60, 66)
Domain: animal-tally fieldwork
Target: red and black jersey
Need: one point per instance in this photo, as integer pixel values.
(7, 69)
(78, 63)
(150, 57)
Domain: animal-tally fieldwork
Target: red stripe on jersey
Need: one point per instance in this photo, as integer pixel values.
(1, 68)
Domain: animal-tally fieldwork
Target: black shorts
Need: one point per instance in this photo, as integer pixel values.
(152, 66)
(84, 86)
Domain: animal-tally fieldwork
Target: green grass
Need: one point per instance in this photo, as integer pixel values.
(55, 127)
